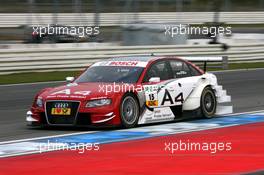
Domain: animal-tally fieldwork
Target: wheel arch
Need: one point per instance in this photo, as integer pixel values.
(193, 100)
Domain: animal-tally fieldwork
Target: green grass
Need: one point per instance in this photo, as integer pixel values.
(60, 76)
(36, 77)
(234, 66)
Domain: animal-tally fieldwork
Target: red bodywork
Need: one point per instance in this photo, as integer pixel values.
(96, 113)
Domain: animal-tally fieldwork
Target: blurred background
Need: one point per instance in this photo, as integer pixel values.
(126, 27)
(119, 19)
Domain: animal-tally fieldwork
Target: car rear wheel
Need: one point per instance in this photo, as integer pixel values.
(208, 103)
(129, 111)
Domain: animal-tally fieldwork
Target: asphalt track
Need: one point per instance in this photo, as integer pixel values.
(245, 87)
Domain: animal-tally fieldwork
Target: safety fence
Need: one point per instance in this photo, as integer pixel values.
(116, 19)
(15, 60)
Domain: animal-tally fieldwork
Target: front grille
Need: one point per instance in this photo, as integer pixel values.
(43, 118)
(83, 119)
(61, 118)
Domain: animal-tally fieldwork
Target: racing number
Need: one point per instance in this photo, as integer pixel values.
(152, 100)
(151, 97)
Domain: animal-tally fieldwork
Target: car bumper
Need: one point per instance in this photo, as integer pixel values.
(31, 121)
(39, 118)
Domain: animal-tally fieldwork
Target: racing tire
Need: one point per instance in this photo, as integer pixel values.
(208, 103)
(129, 111)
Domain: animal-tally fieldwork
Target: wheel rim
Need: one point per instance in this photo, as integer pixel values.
(209, 102)
(129, 110)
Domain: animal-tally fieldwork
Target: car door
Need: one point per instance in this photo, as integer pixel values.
(152, 112)
(175, 89)
(184, 80)
(160, 70)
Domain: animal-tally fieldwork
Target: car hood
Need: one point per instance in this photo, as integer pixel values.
(82, 91)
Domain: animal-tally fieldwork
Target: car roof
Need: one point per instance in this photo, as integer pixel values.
(134, 58)
(143, 58)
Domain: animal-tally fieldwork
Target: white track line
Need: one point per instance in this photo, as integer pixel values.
(46, 137)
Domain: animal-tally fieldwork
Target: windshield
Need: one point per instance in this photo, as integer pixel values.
(118, 74)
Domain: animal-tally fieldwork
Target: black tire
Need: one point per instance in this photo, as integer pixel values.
(129, 111)
(208, 103)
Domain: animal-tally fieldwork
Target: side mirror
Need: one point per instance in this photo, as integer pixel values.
(69, 79)
(154, 79)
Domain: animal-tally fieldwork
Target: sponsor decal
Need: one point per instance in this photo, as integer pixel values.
(68, 92)
(152, 103)
(121, 63)
(61, 111)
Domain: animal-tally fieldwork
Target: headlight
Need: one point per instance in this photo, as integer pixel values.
(99, 102)
(39, 102)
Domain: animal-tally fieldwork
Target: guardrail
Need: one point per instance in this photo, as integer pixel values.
(56, 59)
(115, 19)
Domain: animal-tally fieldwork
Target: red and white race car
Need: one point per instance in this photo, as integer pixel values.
(129, 91)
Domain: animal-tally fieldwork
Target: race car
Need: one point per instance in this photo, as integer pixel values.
(130, 91)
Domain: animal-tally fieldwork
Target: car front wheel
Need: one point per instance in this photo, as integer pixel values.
(129, 111)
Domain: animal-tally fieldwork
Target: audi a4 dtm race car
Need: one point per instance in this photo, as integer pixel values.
(130, 91)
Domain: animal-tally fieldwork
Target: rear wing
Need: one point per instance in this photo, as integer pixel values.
(220, 59)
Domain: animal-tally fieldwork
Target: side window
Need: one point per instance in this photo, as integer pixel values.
(180, 69)
(159, 69)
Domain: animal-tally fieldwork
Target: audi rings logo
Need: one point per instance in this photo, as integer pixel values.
(61, 105)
